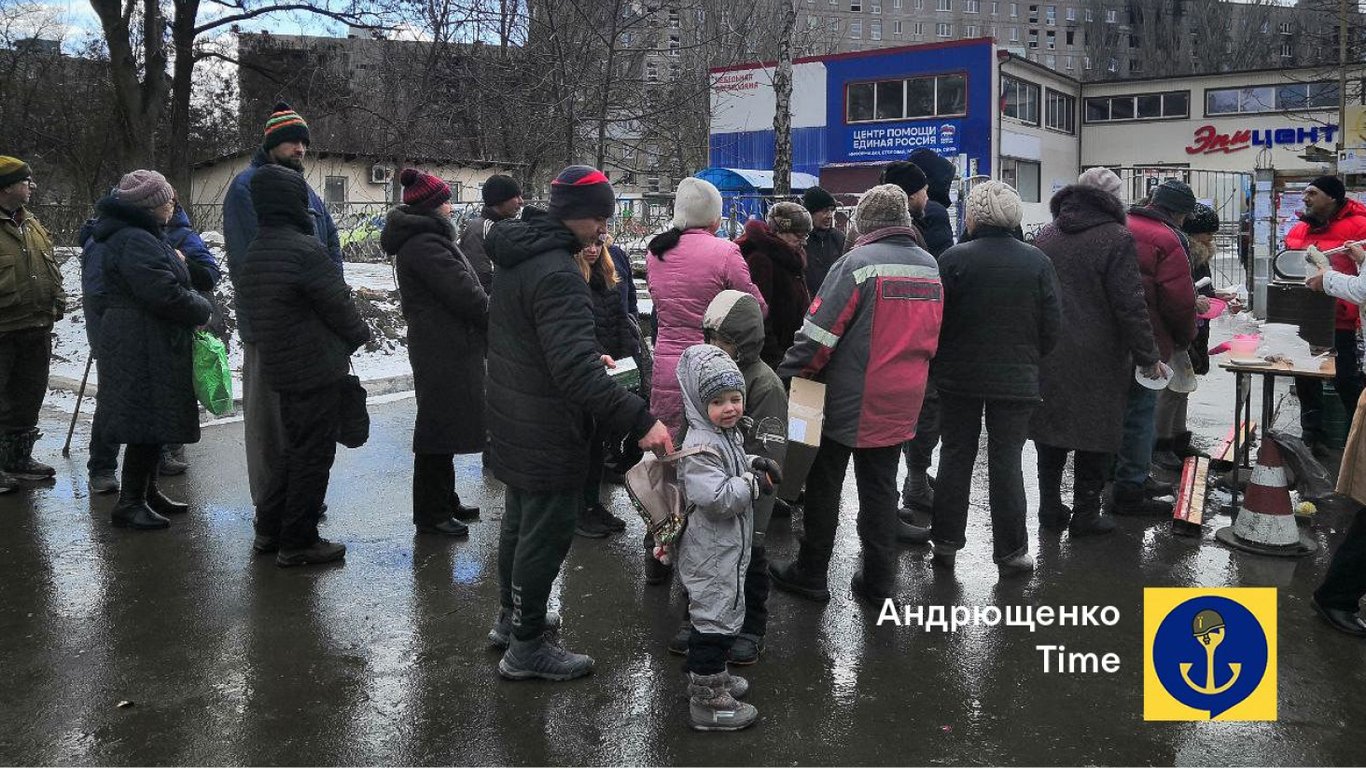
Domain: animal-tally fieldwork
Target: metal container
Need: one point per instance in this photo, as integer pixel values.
(1312, 312)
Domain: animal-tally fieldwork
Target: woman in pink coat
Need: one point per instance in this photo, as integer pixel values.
(686, 267)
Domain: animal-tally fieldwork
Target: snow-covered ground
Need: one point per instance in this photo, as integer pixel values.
(386, 355)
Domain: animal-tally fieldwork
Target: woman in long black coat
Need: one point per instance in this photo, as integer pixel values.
(447, 313)
(146, 395)
(1084, 381)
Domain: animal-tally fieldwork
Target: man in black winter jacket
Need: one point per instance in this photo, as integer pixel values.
(306, 327)
(934, 221)
(825, 244)
(548, 390)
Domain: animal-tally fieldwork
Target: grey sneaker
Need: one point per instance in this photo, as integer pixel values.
(501, 633)
(172, 463)
(713, 707)
(103, 482)
(544, 658)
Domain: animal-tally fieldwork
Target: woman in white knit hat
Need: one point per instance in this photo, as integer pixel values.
(1001, 316)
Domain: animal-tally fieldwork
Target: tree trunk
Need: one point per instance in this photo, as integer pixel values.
(782, 114)
(139, 102)
(178, 161)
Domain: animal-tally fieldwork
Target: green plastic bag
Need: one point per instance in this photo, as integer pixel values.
(212, 378)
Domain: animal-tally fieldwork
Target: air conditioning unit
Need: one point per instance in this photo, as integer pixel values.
(381, 174)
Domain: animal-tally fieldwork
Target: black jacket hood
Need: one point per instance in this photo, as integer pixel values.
(280, 197)
(514, 241)
(114, 214)
(938, 171)
(1079, 207)
(403, 224)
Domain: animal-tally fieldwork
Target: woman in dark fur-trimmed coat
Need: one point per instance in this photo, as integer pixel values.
(1105, 332)
(447, 313)
(146, 393)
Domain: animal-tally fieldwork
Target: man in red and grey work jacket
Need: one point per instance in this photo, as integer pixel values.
(869, 336)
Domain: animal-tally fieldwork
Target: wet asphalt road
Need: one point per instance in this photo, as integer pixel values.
(229, 660)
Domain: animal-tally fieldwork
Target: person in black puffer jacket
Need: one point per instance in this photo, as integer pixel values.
(550, 391)
(825, 244)
(146, 396)
(616, 340)
(1001, 316)
(934, 223)
(306, 327)
(447, 313)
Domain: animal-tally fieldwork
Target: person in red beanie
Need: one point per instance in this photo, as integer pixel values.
(447, 311)
(551, 392)
(1330, 219)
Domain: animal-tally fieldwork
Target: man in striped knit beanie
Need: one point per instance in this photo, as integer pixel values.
(285, 142)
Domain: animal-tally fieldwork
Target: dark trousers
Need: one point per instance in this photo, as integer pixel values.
(140, 468)
(434, 496)
(104, 453)
(707, 653)
(919, 450)
(1007, 427)
(24, 358)
(757, 585)
(262, 425)
(1345, 584)
(1347, 381)
(875, 473)
(537, 531)
(298, 484)
(1088, 475)
(592, 482)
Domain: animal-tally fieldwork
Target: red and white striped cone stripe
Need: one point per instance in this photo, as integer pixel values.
(1266, 516)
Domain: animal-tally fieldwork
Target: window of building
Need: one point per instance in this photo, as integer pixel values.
(1068, 63)
(1111, 17)
(1050, 61)
(1287, 50)
(943, 29)
(1020, 99)
(673, 43)
(874, 30)
(1023, 175)
(856, 5)
(972, 6)
(673, 19)
(1135, 65)
(1014, 34)
(907, 99)
(651, 72)
(1143, 106)
(1033, 41)
(1014, 10)
(1050, 15)
(813, 22)
(995, 7)
(1071, 37)
(1060, 111)
(1033, 14)
(919, 29)
(1266, 27)
(856, 29)
(1285, 28)
(944, 5)
(1113, 66)
(896, 28)
(1085, 62)
(1050, 40)
(875, 6)
(334, 189)
(1090, 17)
(1071, 14)
(971, 30)
(1271, 98)
(920, 5)
(896, 4)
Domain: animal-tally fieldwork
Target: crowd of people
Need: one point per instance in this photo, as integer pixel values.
(517, 324)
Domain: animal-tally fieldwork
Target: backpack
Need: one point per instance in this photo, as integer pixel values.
(657, 494)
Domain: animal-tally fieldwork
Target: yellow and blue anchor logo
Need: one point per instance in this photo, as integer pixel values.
(1209, 654)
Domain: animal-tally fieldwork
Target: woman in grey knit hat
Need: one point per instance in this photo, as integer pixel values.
(146, 396)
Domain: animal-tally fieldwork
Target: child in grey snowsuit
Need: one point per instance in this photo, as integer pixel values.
(721, 484)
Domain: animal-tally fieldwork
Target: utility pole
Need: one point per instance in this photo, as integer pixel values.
(1342, 84)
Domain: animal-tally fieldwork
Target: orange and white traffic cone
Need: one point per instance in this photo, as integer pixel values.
(1266, 523)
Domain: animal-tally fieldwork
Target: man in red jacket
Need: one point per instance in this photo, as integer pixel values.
(1170, 294)
(1329, 220)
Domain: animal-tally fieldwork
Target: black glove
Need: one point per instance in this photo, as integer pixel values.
(767, 473)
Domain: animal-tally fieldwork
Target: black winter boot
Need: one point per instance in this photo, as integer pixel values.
(19, 461)
(1131, 500)
(796, 579)
(1086, 517)
(132, 511)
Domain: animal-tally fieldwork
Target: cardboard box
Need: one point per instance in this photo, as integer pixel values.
(805, 417)
(627, 373)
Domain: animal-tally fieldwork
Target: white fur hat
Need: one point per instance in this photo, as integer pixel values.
(1102, 178)
(995, 204)
(697, 203)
